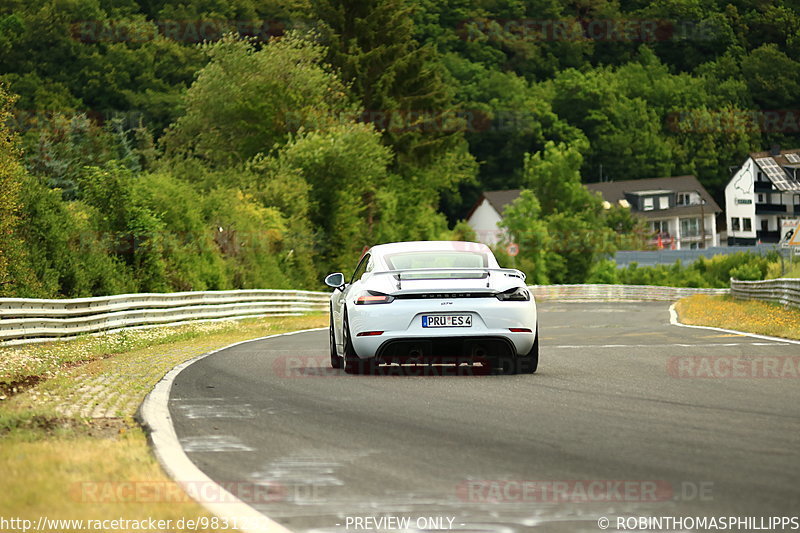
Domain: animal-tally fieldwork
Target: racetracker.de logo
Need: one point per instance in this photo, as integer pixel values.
(553, 491)
(314, 365)
(586, 30)
(138, 492)
(729, 366)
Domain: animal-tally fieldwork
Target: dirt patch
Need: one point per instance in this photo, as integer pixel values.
(101, 428)
(108, 428)
(15, 387)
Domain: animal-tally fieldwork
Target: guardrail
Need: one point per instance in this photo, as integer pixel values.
(24, 320)
(784, 291)
(579, 293)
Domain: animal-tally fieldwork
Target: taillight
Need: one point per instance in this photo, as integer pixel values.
(369, 333)
(519, 330)
(519, 294)
(373, 297)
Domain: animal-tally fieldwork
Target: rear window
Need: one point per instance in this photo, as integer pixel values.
(444, 259)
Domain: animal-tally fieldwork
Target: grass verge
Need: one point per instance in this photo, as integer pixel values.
(69, 446)
(762, 318)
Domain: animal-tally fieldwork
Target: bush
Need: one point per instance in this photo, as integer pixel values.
(603, 272)
(747, 272)
(190, 256)
(68, 255)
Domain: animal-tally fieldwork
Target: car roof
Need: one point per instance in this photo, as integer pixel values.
(429, 246)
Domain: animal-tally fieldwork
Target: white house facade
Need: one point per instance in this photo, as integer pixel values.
(487, 214)
(763, 193)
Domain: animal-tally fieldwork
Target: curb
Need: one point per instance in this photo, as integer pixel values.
(154, 415)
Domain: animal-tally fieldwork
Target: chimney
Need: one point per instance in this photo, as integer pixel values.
(775, 150)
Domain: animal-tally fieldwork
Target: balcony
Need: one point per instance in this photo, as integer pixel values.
(770, 209)
(764, 186)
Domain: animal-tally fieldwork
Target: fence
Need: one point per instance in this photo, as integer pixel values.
(669, 257)
(784, 291)
(29, 320)
(616, 292)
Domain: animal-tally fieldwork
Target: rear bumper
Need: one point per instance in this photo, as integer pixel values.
(472, 349)
(401, 324)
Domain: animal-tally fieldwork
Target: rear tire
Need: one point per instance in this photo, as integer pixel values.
(336, 361)
(353, 364)
(505, 366)
(528, 364)
(359, 366)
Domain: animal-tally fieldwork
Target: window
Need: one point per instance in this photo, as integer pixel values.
(765, 225)
(648, 203)
(660, 226)
(761, 198)
(360, 269)
(735, 224)
(748, 224)
(690, 227)
(685, 198)
(663, 202)
(443, 259)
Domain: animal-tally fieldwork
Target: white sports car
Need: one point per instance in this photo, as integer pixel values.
(432, 302)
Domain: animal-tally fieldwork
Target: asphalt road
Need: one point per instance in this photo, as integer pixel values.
(627, 416)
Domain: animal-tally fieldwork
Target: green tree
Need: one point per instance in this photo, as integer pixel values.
(553, 175)
(772, 76)
(398, 81)
(136, 232)
(15, 276)
(64, 145)
(631, 231)
(523, 221)
(506, 117)
(403, 87)
(346, 167)
(279, 89)
(68, 254)
(573, 216)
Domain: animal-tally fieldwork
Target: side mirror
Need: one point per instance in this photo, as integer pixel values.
(335, 280)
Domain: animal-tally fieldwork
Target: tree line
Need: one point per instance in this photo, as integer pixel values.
(161, 145)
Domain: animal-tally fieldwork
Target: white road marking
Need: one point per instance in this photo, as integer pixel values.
(671, 345)
(214, 443)
(673, 319)
(301, 471)
(210, 410)
(588, 326)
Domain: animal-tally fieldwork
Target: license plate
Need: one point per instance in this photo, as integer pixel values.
(446, 321)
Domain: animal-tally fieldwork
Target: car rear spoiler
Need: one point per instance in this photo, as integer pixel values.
(447, 273)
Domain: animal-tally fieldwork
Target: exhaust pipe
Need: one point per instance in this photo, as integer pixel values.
(415, 355)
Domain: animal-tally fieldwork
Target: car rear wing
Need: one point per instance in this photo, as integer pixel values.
(420, 274)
